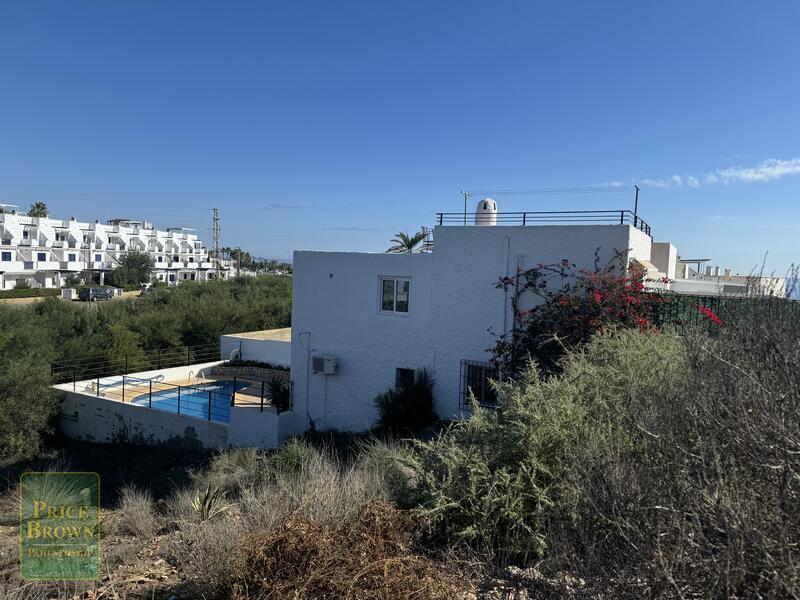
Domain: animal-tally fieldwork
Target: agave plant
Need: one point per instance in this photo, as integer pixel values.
(209, 505)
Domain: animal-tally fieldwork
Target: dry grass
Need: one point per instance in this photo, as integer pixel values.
(367, 556)
(137, 515)
(297, 482)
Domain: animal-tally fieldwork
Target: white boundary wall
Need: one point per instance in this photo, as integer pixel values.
(274, 352)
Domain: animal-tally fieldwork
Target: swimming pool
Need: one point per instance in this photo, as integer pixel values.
(211, 401)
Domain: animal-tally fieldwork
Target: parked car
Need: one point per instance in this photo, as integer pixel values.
(94, 294)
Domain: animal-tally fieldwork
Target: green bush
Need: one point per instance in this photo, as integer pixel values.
(72, 281)
(29, 293)
(253, 363)
(496, 481)
(670, 462)
(26, 402)
(408, 407)
(33, 335)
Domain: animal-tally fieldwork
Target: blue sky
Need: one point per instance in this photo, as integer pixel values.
(322, 125)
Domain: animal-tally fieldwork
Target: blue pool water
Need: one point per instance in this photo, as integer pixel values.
(196, 400)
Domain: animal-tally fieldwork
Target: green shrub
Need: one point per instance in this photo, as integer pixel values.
(496, 481)
(33, 335)
(408, 407)
(27, 292)
(669, 462)
(253, 363)
(27, 404)
(72, 281)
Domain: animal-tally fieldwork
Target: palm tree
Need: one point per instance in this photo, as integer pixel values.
(38, 209)
(406, 244)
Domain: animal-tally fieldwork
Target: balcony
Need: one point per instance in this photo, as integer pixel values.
(46, 265)
(12, 266)
(72, 265)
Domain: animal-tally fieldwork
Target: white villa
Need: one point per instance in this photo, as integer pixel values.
(363, 321)
(42, 252)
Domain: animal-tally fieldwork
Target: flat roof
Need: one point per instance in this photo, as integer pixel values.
(282, 335)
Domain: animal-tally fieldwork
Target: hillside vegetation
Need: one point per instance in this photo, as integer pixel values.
(639, 462)
(32, 336)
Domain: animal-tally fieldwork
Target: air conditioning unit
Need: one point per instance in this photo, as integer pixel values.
(322, 363)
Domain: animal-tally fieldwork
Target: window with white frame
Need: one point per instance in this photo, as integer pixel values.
(41, 256)
(395, 294)
(6, 256)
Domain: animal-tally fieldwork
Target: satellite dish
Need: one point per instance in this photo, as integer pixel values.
(235, 355)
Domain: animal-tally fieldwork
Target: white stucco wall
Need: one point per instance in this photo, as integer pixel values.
(249, 427)
(274, 352)
(455, 311)
(335, 298)
(90, 418)
(665, 256)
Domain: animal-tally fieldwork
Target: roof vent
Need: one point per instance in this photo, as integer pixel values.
(486, 212)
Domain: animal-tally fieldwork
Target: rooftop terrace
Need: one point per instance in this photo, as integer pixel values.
(569, 217)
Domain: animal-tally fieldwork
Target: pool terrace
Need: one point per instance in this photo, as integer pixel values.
(205, 397)
(214, 402)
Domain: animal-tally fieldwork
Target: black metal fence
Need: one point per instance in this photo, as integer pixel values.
(678, 310)
(570, 217)
(208, 399)
(92, 367)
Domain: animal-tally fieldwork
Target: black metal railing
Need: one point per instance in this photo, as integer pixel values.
(208, 400)
(570, 217)
(92, 367)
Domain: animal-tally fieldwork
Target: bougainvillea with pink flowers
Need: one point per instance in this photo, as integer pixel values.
(566, 306)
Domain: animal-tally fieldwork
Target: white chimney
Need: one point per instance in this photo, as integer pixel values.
(486, 212)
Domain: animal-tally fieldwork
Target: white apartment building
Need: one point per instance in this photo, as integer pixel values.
(44, 252)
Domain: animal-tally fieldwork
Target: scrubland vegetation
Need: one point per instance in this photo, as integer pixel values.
(643, 462)
(32, 336)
